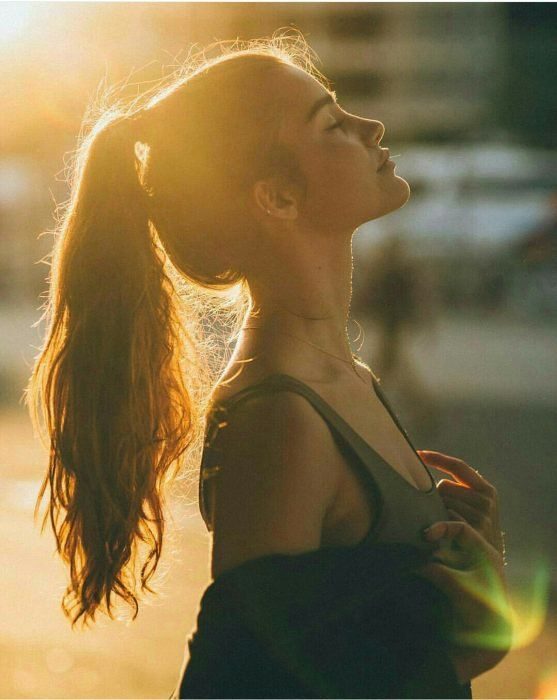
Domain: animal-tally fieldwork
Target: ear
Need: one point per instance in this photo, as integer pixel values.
(274, 196)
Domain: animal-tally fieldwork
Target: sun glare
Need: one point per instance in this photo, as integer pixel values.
(547, 687)
(14, 19)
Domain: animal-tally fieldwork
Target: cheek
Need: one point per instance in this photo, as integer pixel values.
(341, 169)
(342, 181)
(339, 193)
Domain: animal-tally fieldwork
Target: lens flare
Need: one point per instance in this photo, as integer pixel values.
(522, 616)
(547, 687)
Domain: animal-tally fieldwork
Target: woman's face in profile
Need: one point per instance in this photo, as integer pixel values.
(340, 156)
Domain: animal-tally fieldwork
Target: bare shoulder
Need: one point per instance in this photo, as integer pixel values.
(280, 474)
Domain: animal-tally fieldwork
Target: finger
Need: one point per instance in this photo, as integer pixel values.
(469, 541)
(470, 514)
(459, 531)
(463, 472)
(459, 561)
(478, 500)
(455, 515)
(441, 575)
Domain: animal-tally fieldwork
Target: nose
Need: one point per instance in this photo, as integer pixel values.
(371, 130)
(375, 131)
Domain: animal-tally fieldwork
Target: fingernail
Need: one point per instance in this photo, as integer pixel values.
(432, 533)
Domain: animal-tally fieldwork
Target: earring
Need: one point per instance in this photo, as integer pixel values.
(268, 211)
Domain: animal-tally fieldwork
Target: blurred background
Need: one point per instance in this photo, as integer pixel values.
(454, 301)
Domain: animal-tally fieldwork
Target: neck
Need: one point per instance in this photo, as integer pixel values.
(306, 295)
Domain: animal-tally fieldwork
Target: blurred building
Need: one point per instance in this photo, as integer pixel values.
(443, 77)
(528, 104)
(428, 70)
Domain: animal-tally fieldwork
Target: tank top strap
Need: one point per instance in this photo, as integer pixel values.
(345, 438)
(281, 382)
(272, 384)
(401, 509)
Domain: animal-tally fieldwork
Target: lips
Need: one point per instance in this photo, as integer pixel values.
(386, 156)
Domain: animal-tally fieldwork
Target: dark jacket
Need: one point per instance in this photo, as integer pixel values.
(338, 622)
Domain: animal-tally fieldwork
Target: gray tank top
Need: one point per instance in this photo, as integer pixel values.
(401, 510)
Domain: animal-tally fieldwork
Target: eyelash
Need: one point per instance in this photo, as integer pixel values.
(335, 126)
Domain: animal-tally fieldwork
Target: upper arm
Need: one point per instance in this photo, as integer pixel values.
(280, 475)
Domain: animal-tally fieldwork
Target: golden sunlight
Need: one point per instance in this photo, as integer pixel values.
(547, 687)
(14, 19)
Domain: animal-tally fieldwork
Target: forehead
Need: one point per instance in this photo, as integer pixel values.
(299, 91)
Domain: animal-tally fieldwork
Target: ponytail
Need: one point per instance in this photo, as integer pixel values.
(117, 409)
(108, 381)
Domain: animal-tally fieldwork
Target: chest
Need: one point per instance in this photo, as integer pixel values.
(366, 414)
(353, 513)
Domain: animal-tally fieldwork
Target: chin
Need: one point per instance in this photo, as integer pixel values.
(396, 200)
(399, 195)
(404, 191)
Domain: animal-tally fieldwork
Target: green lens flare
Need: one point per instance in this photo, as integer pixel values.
(522, 614)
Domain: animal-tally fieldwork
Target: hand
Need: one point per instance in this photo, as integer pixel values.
(482, 613)
(472, 496)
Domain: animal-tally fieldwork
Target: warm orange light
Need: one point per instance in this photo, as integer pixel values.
(547, 687)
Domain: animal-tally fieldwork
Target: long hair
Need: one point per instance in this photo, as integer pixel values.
(157, 202)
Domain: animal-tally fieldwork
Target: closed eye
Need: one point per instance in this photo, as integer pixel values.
(335, 126)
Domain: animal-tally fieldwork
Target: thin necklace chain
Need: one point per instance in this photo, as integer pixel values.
(350, 362)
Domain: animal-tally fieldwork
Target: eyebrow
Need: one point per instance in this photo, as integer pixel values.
(321, 102)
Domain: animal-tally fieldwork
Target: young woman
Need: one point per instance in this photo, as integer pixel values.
(253, 177)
